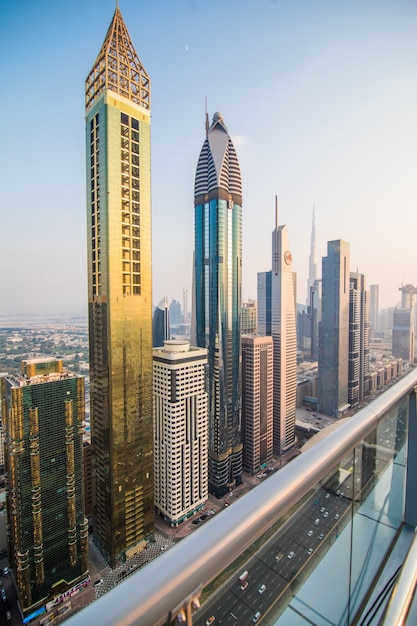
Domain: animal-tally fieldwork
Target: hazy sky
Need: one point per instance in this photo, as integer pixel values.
(320, 98)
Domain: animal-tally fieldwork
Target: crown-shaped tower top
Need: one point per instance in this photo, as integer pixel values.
(118, 68)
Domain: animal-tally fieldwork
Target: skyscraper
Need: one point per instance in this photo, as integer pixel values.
(283, 331)
(334, 330)
(264, 295)
(43, 411)
(217, 280)
(358, 339)
(181, 429)
(313, 272)
(257, 401)
(374, 310)
(117, 102)
(403, 325)
(161, 326)
(249, 318)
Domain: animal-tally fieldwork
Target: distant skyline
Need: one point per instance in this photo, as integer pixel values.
(320, 100)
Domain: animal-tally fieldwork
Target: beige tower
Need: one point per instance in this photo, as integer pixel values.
(257, 401)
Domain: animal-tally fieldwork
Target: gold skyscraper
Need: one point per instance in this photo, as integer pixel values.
(120, 293)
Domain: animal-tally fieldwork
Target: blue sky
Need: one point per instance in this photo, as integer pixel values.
(320, 99)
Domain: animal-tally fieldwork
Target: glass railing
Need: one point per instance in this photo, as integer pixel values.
(304, 547)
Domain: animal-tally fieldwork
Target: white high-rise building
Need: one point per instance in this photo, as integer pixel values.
(180, 407)
(283, 331)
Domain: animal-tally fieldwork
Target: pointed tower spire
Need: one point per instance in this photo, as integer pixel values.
(313, 273)
(118, 68)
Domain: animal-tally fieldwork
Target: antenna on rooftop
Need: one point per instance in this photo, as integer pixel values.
(276, 254)
(207, 118)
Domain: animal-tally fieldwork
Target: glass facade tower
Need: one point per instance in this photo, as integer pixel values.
(43, 412)
(333, 370)
(218, 299)
(120, 293)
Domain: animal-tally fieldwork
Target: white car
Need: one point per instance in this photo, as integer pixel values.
(261, 588)
(310, 532)
(291, 554)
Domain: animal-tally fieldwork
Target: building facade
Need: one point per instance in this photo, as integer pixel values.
(249, 318)
(43, 412)
(333, 362)
(358, 385)
(403, 331)
(264, 295)
(161, 327)
(218, 298)
(180, 430)
(257, 401)
(373, 311)
(284, 335)
(120, 293)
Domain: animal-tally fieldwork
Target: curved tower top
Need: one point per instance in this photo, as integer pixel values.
(218, 171)
(118, 68)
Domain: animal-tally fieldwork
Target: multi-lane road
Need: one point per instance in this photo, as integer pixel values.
(271, 571)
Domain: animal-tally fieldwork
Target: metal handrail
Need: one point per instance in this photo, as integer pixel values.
(404, 589)
(149, 596)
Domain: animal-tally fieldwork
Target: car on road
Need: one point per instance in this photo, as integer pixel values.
(3, 594)
(5, 571)
(261, 588)
(210, 620)
(291, 554)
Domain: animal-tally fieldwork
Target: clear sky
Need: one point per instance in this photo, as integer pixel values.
(320, 98)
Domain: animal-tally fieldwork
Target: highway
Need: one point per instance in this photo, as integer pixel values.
(307, 534)
(305, 537)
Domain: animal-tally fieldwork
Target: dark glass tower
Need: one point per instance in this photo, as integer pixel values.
(43, 412)
(218, 300)
(161, 329)
(120, 293)
(334, 330)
